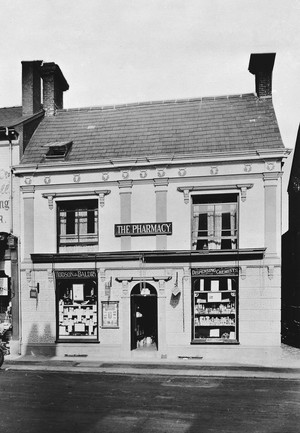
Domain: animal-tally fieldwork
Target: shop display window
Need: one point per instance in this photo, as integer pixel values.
(77, 309)
(214, 222)
(214, 305)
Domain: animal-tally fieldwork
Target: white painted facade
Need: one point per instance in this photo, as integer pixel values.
(132, 189)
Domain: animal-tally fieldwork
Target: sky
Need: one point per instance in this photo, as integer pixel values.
(120, 51)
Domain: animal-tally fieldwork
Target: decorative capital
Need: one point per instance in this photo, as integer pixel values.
(125, 287)
(270, 272)
(161, 182)
(28, 190)
(161, 285)
(28, 275)
(102, 274)
(125, 183)
(271, 178)
(50, 275)
(243, 272)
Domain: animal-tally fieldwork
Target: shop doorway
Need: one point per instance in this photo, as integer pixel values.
(143, 317)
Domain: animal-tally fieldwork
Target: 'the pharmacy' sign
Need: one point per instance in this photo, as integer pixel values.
(143, 229)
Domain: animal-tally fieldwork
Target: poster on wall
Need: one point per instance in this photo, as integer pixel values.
(110, 314)
(3, 286)
(78, 292)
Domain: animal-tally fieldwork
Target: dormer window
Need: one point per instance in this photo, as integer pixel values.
(58, 150)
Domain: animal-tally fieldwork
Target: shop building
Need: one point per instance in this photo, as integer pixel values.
(152, 229)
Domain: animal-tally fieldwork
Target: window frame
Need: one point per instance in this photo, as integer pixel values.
(215, 199)
(80, 239)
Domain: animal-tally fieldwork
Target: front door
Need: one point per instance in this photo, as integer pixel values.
(144, 317)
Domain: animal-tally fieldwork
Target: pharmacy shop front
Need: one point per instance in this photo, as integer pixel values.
(151, 307)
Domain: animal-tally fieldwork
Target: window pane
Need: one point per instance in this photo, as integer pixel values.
(226, 229)
(70, 222)
(202, 230)
(91, 221)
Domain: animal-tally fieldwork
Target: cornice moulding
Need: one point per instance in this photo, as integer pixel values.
(165, 161)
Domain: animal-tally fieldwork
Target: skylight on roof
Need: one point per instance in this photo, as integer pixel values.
(58, 149)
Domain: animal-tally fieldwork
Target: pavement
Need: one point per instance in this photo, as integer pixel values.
(283, 363)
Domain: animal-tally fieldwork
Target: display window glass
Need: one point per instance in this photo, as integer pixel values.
(77, 308)
(215, 305)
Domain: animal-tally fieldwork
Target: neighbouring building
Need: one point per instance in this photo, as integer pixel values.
(291, 258)
(152, 229)
(17, 125)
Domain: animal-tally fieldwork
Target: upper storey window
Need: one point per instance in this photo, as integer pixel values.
(77, 225)
(214, 222)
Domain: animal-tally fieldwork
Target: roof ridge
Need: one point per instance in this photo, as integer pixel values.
(157, 102)
(13, 106)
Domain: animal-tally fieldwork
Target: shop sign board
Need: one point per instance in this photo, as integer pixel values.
(76, 274)
(143, 229)
(196, 272)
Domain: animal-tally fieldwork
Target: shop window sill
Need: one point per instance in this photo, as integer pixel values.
(216, 341)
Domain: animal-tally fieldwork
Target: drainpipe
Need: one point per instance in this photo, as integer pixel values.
(10, 178)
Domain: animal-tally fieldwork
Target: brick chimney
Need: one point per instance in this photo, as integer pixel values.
(261, 65)
(54, 84)
(31, 87)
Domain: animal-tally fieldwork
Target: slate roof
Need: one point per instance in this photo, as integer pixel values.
(166, 128)
(10, 116)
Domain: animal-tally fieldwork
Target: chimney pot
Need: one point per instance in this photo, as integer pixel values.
(261, 65)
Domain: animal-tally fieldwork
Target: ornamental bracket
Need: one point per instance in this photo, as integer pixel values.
(243, 187)
(187, 189)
